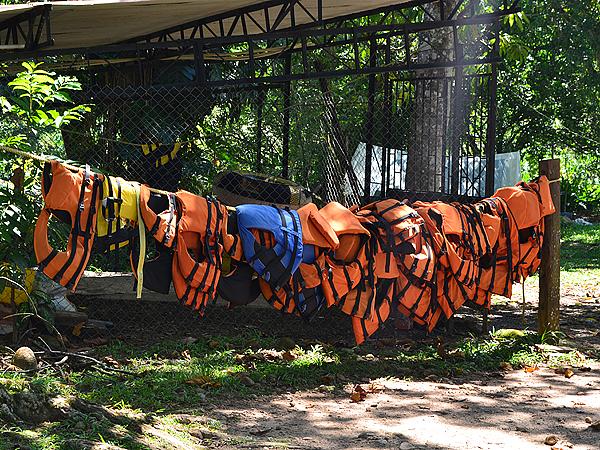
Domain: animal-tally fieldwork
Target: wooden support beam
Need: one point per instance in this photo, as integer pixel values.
(549, 302)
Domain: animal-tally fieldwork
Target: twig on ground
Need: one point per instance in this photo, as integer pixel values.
(96, 362)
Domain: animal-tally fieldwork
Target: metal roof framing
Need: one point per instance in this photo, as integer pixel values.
(29, 30)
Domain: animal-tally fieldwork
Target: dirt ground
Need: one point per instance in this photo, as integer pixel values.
(515, 409)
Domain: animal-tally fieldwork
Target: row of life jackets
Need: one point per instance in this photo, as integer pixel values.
(388, 258)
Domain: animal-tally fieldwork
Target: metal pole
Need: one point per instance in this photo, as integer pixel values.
(370, 122)
(458, 119)
(490, 149)
(387, 124)
(287, 92)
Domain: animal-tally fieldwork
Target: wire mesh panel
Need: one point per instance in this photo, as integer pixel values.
(397, 104)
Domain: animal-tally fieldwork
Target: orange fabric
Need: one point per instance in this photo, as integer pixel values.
(199, 249)
(316, 230)
(161, 226)
(64, 198)
(347, 227)
(364, 328)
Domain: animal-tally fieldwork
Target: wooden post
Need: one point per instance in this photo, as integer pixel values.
(549, 303)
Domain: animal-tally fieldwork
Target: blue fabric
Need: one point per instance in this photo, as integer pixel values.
(308, 254)
(268, 218)
(320, 301)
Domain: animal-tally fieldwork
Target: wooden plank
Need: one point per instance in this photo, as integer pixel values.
(119, 286)
(549, 301)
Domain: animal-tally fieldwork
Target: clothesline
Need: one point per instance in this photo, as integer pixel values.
(44, 159)
(72, 167)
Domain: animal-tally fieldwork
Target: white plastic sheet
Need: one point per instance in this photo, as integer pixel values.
(472, 183)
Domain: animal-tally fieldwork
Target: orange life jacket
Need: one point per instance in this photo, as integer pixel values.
(496, 269)
(382, 306)
(349, 282)
(197, 262)
(72, 197)
(528, 203)
(396, 243)
(159, 214)
(462, 236)
(161, 226)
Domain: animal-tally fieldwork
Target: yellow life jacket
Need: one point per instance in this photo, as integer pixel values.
(118, 216)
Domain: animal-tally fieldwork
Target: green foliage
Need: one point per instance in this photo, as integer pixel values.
(34, 108)
(549, 91)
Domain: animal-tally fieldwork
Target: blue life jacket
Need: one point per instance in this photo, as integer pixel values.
(275, 265)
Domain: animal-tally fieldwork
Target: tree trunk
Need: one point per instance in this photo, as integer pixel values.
(426, 149)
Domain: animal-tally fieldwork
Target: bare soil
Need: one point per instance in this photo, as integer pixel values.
(517, 411)
(513, 409)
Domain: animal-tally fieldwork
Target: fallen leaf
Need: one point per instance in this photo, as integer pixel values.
(550, 440)
(530, 369)
(203, 381)
(288, 356)
(77, 329)
(358, 394)
(566, 371)
(109, 360)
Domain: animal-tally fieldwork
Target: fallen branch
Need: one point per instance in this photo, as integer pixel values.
(96, 362)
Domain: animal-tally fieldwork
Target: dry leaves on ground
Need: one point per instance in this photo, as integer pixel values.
(204, 381)
(359, 393)
(566, 371)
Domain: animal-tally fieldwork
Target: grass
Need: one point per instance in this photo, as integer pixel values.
(175, 376)
(580, 249)
(160, 388)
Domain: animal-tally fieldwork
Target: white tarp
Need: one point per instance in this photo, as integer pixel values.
(507, 172)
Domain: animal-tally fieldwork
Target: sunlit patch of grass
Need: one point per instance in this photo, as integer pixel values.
(160, 387)
(580, 249)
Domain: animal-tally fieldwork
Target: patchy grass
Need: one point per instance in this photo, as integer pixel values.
(580, 249)
(225, 367)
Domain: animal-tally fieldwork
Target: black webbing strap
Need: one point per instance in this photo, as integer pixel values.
(87, 234)
(76, 228)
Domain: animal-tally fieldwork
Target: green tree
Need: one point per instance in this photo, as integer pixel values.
(549, 92)
(34, 109)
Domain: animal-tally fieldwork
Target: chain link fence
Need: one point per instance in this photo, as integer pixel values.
(424, 134)
(288, 145)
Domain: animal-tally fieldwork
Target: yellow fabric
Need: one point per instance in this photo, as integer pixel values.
(142, 257)
(146, 149)
(168, 157)
(20, 296)
(127, 211)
